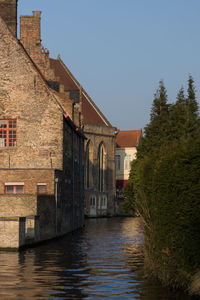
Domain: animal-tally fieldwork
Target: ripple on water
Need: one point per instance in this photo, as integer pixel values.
(105, 260)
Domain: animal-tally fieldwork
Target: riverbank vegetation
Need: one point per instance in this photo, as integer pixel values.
(164, 187)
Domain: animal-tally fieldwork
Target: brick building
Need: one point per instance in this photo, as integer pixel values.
(100, 146)
(41, 148)
(45, 116)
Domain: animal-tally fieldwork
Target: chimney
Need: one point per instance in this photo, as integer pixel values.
(30, 35)
(8, 12)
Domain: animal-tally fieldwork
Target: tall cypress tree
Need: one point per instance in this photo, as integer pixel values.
(160, 105)
(178, 116)
(191, 99)
(157, 130)
(181, 97)
(192, 108)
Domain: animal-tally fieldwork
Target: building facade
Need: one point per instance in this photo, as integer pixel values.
(126, 149)
(99, 174)
(99, 159)
(49, 128)
(41, 148)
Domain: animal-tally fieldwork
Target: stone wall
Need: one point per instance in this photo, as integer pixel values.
(96, 136)
(48, 149)
(24, 96)
(100, 209)
(46, 211)
(30, 178)
(30, 37)
(12, 232)
(70, 181)
(8, 11)
(18, 205)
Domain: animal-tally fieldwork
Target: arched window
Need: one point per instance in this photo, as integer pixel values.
(87, 166)
(101, 167)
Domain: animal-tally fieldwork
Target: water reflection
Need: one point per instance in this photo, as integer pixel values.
(105, 260)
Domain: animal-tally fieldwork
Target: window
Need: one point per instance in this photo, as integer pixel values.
(101, 167)
(8, 133)
(127, 162)
(93, 201)
(41, 188)
(87, 166)
(104, 202)
(14, 188)
(118, 162)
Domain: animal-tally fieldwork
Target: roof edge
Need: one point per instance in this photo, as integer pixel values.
(104, 119)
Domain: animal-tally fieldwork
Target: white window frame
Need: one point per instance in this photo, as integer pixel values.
(127, 162)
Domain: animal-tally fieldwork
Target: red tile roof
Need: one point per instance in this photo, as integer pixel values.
(64, 77)
(91, 113)
(130, 138)
(90, 116)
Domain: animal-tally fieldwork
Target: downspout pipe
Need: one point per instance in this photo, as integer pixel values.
(73, 170)
(56, 198)
(81, 170)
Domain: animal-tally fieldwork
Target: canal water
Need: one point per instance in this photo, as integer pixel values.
(103, 261)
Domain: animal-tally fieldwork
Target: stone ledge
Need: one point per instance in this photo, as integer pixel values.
(17, 219)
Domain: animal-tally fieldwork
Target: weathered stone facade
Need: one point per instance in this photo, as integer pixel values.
(85, 113)
(102, 193)
(45, 150)
(12, 232)
(101, 135)
(8, 11)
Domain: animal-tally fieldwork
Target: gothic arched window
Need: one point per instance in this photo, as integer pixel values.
(87, 166)
(101, 167)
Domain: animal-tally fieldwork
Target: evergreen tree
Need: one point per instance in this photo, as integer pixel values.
(159, 128)
(131, 189)
(181, 97)
(191, 99)
(191, 109)
(160, 105)
(178, 116)
(167, 193)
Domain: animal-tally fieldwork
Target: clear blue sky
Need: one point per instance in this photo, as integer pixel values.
(119, 50)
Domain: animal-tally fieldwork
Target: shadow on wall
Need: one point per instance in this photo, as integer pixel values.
(99, 185)
(46, 210)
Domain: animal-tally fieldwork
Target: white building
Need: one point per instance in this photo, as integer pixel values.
(126, 149)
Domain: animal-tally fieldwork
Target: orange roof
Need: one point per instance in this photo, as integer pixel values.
(91, 113)
(129, 138)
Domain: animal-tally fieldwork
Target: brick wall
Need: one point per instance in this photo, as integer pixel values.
(45, 143)
(25, 97)
(30, 37)
(12, 232)
(30, 178)
(18, 205)
(8, 11)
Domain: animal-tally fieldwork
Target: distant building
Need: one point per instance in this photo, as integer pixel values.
(126, 149)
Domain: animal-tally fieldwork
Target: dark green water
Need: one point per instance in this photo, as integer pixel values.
(102, 261)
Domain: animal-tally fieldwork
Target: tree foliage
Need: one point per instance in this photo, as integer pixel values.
(164, 186)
